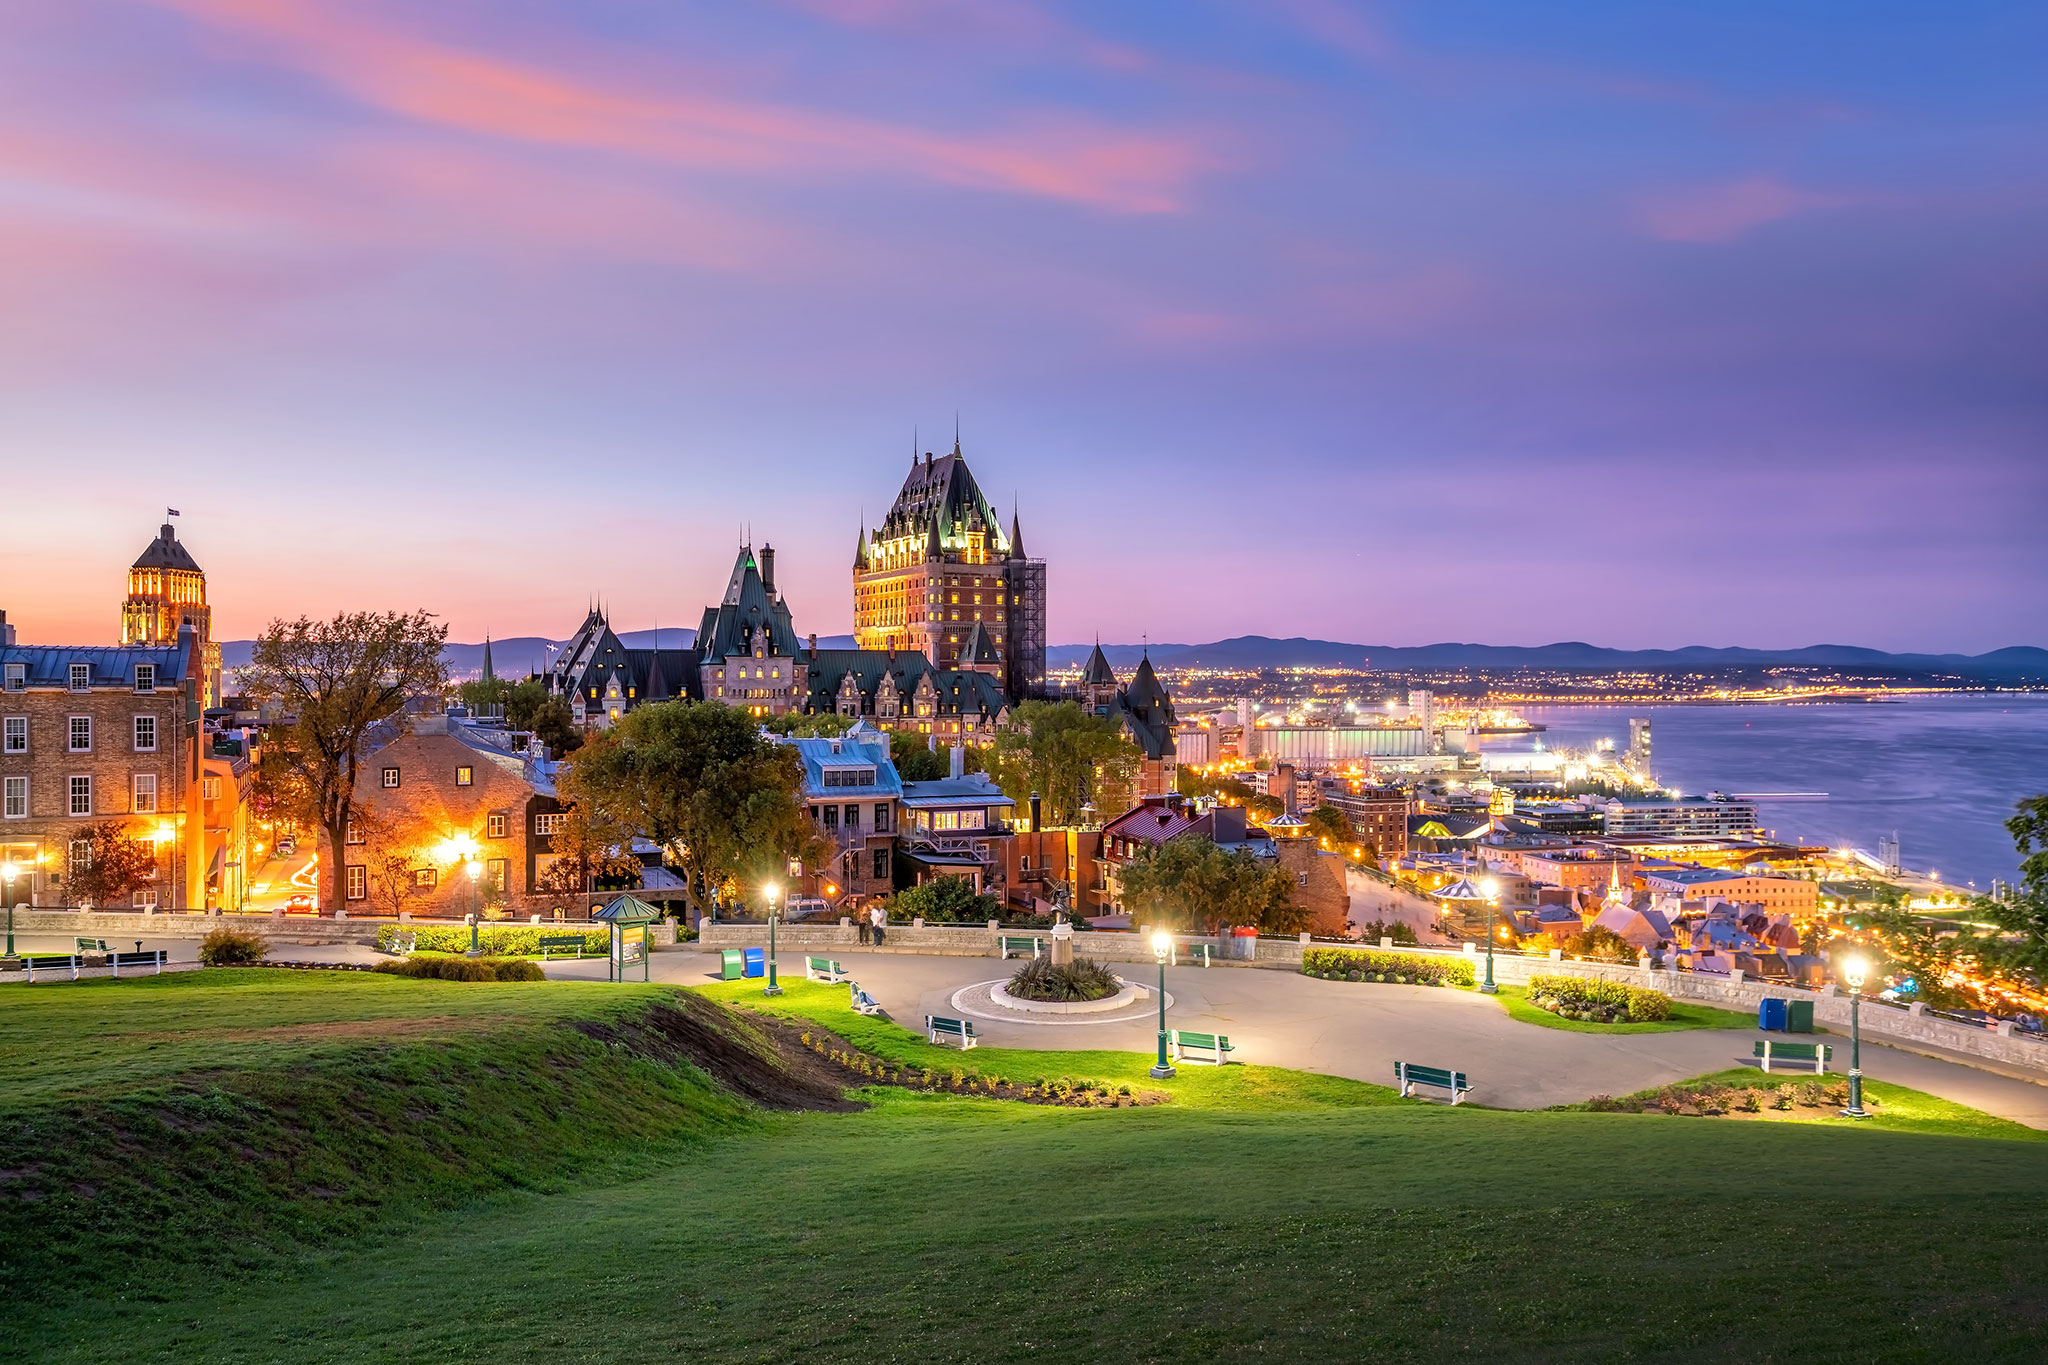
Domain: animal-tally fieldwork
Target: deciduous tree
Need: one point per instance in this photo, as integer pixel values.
(1069, 756)
(115, 864)
(344, 682)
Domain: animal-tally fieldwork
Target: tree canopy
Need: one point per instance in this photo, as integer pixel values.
(945, 900)
(342, 681)
(116, 865)
(1069, 756)
(528, 705)
(698, 780)
(808, 725)
(914, 759)
(1190, 883)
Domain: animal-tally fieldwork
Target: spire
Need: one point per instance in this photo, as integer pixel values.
(489, 675)
(933, 549)
(860, 547)
(1016, 533)
(1098, 672)
(956, 431)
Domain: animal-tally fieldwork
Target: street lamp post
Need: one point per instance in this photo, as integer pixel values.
(475, 870)
(1162, 948)
(1853, 970)
(8, 872)
(1491, 887)
(773, 987)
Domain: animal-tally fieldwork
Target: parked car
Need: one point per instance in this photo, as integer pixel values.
(287, 846)
(301, 904)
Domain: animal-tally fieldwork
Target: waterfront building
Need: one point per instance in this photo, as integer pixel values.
(1378, 814)
(1777, 895)
(940, 562)
(90, 734)
(1698, 817)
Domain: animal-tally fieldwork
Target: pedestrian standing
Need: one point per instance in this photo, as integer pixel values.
(881, 918)
(865, 925)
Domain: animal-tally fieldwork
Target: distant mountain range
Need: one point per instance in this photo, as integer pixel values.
(1260, 651)
(523, 654)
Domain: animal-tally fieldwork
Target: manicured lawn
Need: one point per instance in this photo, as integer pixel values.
(1684, 1015)
(515, 1189)
(1893, 1108)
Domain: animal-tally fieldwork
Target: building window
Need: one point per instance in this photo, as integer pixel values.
(145, 734)
(354, 882)
(881, 817)
(852, 817)
(424, 878)
(14, 802)
(145, 677)
(81, 795)
(849, 777)
(145, 794)
(831, 814)
(354, 833)
(17, 677)
(16, 729)
(391, 777)
(81, 856)
(497, 875)
(881, 865)
(81, 734)
(497, 825)
(464, 775)
(81, 677)
(209, 789)
(145, 899)
(549, 823)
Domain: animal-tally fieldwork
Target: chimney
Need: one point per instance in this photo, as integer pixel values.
(959, 764)
(6, 631)
(768, 569)
(1035, 813)
(814, 644)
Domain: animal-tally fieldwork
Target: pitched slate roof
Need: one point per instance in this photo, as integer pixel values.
(1098, 673)
(166, 553)
(941, 494)
(1147, 711)
(749, 612)
(978, 648)
(50, 665)
(868, 666)
(871, 750)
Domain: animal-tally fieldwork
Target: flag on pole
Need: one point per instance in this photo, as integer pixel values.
(170, 511)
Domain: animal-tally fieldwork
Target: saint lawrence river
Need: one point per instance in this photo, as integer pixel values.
(1941, 772)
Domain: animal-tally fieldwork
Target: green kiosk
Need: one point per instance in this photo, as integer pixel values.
(627, 912)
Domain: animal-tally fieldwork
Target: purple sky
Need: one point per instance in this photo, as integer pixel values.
(1388, 323)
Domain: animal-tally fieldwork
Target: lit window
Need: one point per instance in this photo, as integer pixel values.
(496, 825)
(391, 777)
(145, 793)
(464, 775)
(14, 799)
(209, 789)
(354, 884)
(424, 878)
(550, 823)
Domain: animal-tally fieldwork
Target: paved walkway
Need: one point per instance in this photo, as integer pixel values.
(1360, 1030)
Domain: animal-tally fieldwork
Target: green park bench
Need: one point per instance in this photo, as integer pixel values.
(1215, 1044)
(151, 957)
(1771, 1050)
(823, 969)
(50, 962)
(862, 1002)
(1410, 1075)
(402, 944)
(731, 964)
(572, 944)
(937, 1027)
(1023, 945)
(93, 945)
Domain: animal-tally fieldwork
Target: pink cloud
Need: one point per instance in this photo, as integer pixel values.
(686, 123)
(1722, 213)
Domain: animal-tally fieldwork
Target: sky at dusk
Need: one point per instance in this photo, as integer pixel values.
(1644, 325)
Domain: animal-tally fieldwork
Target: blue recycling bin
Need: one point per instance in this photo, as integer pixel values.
(1770, 1015)
(756, 963)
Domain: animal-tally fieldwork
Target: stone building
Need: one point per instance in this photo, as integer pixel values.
(167, 591)
(1145, 713)
(92, 733)
(939, 563)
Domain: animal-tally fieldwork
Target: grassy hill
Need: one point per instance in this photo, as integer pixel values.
(431, 1170)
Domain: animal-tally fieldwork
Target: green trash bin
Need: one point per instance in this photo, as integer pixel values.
(1798, 1016)
(733, 966)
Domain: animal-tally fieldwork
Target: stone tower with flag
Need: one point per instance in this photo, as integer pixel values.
(166, 590)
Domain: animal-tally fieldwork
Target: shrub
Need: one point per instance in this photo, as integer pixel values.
(466, 969)
(1081, 979)
(1353, 964)
(945, 900)
(232, 948)
(1602, 1001)
(496, 939)
(1373, 930)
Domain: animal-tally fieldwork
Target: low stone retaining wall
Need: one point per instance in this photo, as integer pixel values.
(131, 925)
(1908, 1027)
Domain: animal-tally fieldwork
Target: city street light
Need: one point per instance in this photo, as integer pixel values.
(772, 988)
(1162, 948)
(1854, 969)
(475, 870)
(8, 872)
(1491, 886)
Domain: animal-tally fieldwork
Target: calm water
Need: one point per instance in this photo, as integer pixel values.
(1943, 772)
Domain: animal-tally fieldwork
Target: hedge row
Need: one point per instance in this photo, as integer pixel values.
(1604, 1002)
(1354, 964)
(500, 939)
(466, 968)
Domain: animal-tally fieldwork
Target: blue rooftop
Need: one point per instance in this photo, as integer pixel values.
(847, 756)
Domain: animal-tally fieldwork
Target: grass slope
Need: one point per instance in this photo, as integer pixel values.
(1261, 1213)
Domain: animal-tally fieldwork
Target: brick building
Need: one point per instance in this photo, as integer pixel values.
(96, 733)
(1378, 814)
(939, 563)
(437, 800)
(852, 790)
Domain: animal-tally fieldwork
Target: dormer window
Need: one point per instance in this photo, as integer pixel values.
(81, 677)
(145, 677)
(16, 677)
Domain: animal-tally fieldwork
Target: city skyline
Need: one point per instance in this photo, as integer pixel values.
(1348, 322)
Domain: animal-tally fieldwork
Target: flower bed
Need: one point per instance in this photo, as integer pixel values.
(1597, 1002)
(1402, 969)
(1716, 1098)
(1061, 1091)
(498, 940)
(1079, 980)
